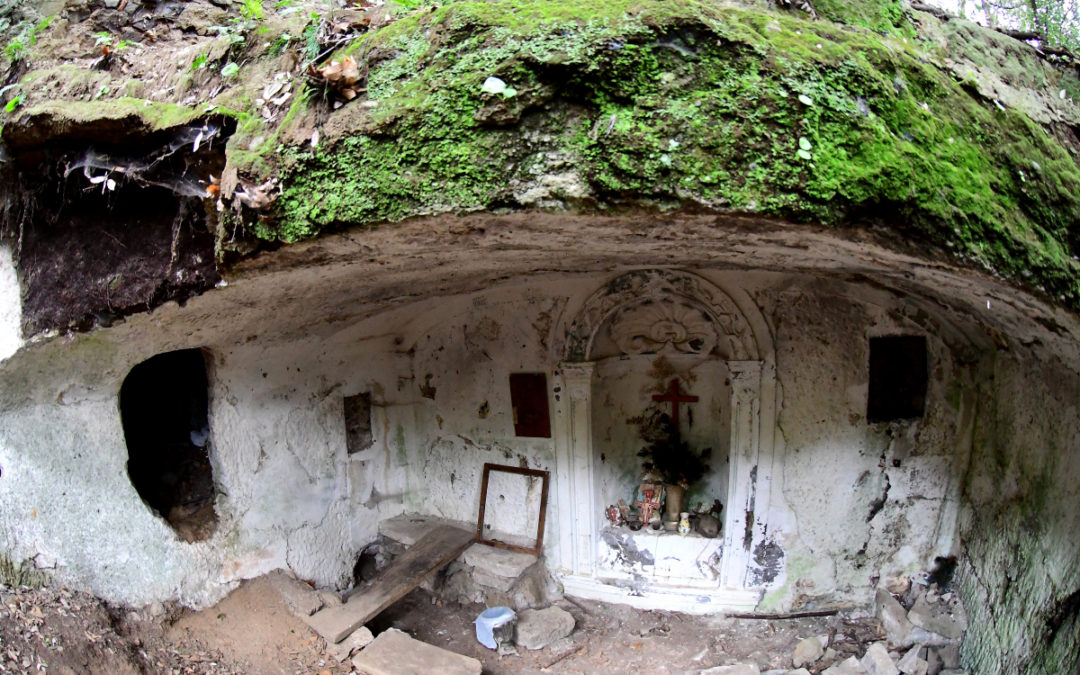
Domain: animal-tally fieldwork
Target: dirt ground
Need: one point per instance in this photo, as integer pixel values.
(252, 631)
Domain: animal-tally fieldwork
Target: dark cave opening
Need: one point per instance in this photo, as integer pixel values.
(164, 405)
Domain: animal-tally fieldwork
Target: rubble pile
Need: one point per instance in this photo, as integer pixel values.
(922, 626)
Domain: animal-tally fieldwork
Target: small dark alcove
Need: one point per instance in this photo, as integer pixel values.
(164, 405)
(898, 378)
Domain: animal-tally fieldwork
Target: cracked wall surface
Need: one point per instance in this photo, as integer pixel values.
(864, 499)
(1018, 527)
(432, 330)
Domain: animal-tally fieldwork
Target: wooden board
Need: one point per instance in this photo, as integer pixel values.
(434, 551)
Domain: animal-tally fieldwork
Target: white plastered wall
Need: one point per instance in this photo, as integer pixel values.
(10, 306)
(437, 371)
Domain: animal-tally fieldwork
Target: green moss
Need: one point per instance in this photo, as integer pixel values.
(886, 16)
(150, 115)
(657, 104)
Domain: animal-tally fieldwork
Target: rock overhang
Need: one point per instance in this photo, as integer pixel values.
(937, 137)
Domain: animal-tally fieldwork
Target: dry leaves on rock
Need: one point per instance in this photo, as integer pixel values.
(342, 76)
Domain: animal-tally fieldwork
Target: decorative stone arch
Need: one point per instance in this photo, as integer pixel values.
(656, 311)
(639, 288)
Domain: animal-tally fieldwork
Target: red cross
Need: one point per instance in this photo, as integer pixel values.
(675, 399)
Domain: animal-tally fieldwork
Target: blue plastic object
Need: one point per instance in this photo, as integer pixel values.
(488, 621)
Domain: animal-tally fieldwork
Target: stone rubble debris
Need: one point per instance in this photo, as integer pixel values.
(538, 628)
(941, 617)
(808, 651)
(301, 599)
(877, 661)
(737, 669)
(911, 663)
(922, 629)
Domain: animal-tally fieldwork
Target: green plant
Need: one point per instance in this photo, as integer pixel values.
(252, 9)
(107, 39)
(14, 103)
(310, 37)
(279, 45)
(198, 62)
(667, 453)
(17, 48)
(230, 69)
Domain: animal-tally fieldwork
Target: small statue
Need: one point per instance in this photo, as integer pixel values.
(612, 513)
(649, 500)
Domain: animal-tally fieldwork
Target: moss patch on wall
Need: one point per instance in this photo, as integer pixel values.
(662, 106)
(886, 16)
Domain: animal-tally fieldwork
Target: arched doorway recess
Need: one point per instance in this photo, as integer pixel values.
(653, 312)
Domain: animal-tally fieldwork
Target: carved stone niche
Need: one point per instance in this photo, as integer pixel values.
(680, 314)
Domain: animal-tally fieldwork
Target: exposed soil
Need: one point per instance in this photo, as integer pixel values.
(252, 631)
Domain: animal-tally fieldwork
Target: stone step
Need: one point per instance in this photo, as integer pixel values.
(395, 653)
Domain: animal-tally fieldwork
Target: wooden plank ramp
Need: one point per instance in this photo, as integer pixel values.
(434, 551)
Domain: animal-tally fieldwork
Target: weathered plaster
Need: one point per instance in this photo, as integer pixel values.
(1020, 518)
(290, 495)
(10, 306)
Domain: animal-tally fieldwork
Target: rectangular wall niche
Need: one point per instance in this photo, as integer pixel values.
(358, 423)
(528, 396)
(898, 373)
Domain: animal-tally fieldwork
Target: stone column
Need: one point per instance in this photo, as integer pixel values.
(741, 507)
(575, 491)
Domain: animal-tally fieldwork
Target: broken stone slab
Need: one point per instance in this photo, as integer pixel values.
(911, 664)
(808, 651)
(329, 598)
(784, 671)
(950, 656)
(484, 578)
(406, 530)
(939, 617)
(850, 666)
(877, 661)
(497, 561)
(395, 653)
(933, 662)
(897, 585)
(737, 669)
(893, 618)
(341, 651)
(537, 628)
(921, 636)
(535, 588)
(301, 599)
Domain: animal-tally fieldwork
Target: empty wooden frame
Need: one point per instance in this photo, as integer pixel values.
(544, 476)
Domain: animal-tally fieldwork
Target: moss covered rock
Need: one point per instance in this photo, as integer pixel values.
(665, 106)
(934, 134)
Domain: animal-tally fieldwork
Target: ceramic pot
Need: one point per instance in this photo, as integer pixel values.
(708, 526)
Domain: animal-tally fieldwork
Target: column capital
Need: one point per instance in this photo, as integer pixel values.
(577, 376)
